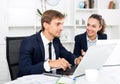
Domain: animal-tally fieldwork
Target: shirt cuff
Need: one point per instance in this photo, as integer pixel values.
(46, 66)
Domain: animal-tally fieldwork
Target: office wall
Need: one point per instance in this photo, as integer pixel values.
(18, 17)
(22, 13)
(13, 15)
(3, 20)
(4, 73)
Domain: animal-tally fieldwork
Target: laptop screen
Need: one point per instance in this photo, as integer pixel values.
(94, 58)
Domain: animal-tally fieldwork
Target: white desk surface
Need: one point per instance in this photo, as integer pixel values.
(108, 75)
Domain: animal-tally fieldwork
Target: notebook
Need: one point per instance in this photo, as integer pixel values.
(94, 58)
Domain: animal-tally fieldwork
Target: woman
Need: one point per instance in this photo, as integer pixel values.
(94, 31)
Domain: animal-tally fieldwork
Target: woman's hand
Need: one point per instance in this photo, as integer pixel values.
(78, 60)
(83, 52)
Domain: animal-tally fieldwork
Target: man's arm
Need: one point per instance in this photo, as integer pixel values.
(30, 60)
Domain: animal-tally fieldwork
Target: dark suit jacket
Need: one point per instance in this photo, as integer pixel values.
(32, 55)
(81, 42)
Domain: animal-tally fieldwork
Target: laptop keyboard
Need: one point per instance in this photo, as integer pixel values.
(67, 72)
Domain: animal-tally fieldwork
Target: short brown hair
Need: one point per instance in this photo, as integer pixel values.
(49, 15)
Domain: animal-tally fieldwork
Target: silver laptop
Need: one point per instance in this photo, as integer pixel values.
(94, 58)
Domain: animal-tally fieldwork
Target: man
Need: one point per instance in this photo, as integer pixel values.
(34, 54)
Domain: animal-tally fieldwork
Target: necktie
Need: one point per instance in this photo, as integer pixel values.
(50, 50)
(50, 55)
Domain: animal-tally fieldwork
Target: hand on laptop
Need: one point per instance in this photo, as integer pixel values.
(60, 63)
(78, 60)
(83, 52)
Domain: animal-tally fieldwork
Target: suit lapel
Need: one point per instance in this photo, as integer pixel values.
(84, 43)
(40, 42)
(56, 47)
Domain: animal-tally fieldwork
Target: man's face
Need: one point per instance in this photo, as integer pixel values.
(55, 27)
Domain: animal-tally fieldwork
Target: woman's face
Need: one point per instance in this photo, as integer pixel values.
(93, 27)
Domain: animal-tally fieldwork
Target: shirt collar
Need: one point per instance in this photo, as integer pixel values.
(88, 39)
(45, 40)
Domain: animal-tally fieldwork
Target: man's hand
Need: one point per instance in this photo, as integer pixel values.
(60, 63)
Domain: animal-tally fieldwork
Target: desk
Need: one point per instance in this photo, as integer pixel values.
(108, 75)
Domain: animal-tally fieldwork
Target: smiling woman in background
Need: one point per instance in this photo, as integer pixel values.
(94, 31)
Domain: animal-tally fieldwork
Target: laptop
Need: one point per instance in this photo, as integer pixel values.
(114, 58)
(94, 58)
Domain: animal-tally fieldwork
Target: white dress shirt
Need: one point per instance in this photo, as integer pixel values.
(45, 43)
(90, 42)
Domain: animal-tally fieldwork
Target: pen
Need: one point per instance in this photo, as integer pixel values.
(111, 65)
(73, 78)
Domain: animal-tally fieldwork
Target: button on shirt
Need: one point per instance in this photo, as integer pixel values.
(45, 43)
(90, 42)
